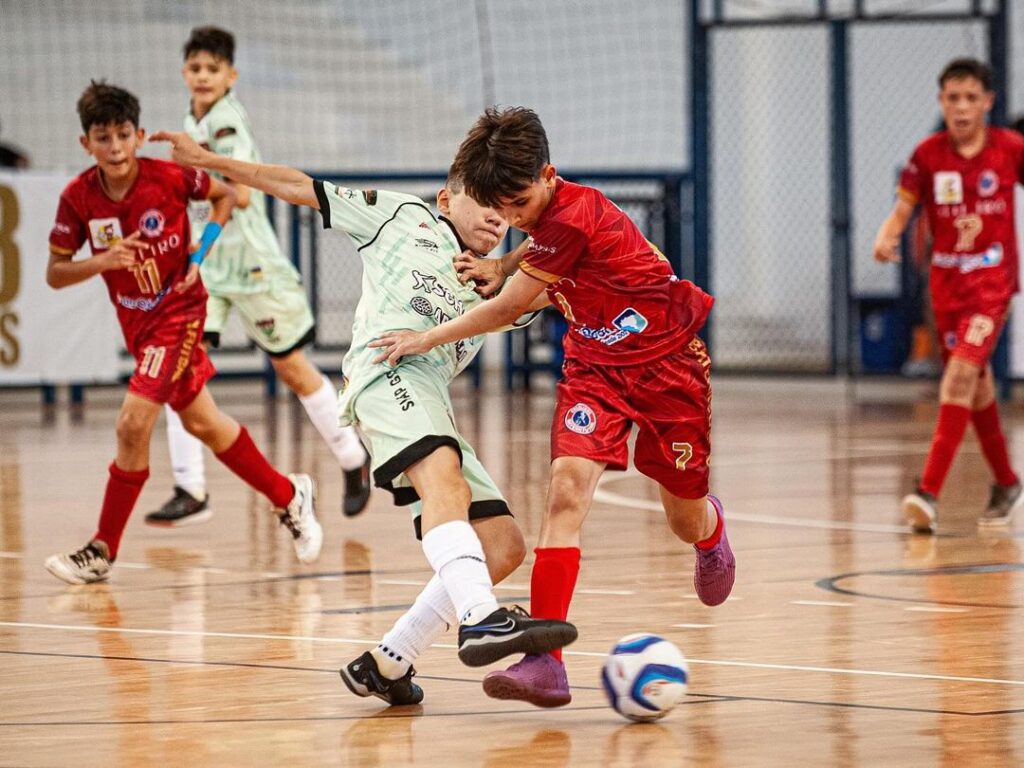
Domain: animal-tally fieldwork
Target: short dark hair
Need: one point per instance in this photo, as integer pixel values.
(958, 69)
(105, 104)
(217, 42)
(503, 153)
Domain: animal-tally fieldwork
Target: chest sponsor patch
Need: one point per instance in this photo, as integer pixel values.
(105, 233)
(988, 183)
(949, 188)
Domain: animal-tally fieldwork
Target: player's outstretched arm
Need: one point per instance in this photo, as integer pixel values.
(286, 183)
(515, 300)
(887, 241)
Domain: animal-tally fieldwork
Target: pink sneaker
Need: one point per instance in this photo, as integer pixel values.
(714, 570)
(540, 680)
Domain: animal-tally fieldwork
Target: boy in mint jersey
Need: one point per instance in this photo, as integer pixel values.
(246, 271)
(405, 413)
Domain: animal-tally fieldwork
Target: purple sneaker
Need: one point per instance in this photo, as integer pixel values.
(714, 570)
(540, 680)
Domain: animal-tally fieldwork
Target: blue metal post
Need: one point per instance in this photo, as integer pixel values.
(842, 333)
(700, 149)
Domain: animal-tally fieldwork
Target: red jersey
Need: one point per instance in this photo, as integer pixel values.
(623, 304)
(155, 206)
(970, 211)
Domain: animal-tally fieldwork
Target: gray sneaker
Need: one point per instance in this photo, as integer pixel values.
(920, 511)
(1001, 504)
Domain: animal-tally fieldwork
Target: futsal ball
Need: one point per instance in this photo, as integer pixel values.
(644, 677)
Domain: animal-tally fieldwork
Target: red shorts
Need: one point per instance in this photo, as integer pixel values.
(970, 334)
(670, 402)
(171, 365)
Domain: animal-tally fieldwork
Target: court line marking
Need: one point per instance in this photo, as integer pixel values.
(615, 499)
(691, 626)
(589, 654)
(934, 609)
(510, 587)
(829, 603)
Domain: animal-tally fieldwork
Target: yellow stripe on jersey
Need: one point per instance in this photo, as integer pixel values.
(540, 274)
(907, 195)
(61, 251)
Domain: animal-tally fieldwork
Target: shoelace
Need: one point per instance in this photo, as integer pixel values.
(85, 556)
(519, 611)
(291, 524)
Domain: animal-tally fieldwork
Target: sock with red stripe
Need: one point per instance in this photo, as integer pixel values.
(119, 499)
(993, 443)
(245, 460)
(552, 582)
(949, 432)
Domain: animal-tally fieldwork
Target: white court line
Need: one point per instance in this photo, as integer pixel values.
(615, 499)
(691, 626)
(11, 555)
(935, 609)
(832, 603)
(512, 587)
(356, 641)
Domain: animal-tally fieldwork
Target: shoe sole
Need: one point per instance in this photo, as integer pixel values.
(918, 518)
(480, 653)
(181, 522)
(512, 690)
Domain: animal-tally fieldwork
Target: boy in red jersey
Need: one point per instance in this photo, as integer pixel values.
(632, 356)
(964, 176)
(131, 210)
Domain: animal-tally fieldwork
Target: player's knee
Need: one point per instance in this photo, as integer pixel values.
(202, 428)
(688, 521)
(567, 495)
(132, 430)
(959, 383)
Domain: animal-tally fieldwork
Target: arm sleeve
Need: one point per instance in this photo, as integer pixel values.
(69, 231)
(553, 252)
(196, 182)
(913, 179)
(359, 212)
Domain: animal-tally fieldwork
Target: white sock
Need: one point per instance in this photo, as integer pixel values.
(322, 407)
(454, 552)
(430, 616)
(186, 456)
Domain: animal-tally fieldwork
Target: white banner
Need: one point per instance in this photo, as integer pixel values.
(47, 336)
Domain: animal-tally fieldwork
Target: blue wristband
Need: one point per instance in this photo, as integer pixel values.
(210, 233)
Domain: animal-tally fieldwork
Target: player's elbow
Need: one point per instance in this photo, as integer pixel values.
(54, 279)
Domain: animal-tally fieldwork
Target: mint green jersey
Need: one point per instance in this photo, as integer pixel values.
(246, 257)
(409, 282)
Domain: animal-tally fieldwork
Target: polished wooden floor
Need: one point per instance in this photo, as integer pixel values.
(846, 642)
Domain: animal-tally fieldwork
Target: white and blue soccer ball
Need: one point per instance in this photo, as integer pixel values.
(644, 677)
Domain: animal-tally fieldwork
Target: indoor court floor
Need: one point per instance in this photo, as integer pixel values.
(847, 641)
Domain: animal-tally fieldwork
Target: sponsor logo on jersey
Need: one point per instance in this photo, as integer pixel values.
(968, 262)
(988, 183)
(536, 247)
(105, 233)
(225, 131)
(370, 196)
(422, 306)
(151, 223)
(61, 229)
(630, 321)
(581, 419)
(142, 303)
(430, 245)
(424, 225)
(949, 188)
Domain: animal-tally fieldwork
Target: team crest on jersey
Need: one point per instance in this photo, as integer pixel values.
(581, 419)
(370, 196)
(630, 321)
(105, 233)
(949, 188)
(267, 326)
(988, 183)
(151, 223)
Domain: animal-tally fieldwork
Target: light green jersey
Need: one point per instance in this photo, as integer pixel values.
(409, 282)
(246, 257)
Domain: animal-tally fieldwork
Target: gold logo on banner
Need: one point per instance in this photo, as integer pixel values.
(10, 277)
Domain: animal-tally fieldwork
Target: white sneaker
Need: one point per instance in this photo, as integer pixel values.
(919, 511)
(300, 520)
(89, 564)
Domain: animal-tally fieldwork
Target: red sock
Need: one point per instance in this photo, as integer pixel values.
(119, 499)
(245, 460)
(552, 583)
(716, 536)
(993, 443)
(949, 431)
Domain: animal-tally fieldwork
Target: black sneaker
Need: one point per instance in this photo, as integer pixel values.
(363, 678)
(182, 509)
(357, 489)
(511, 630)
(1002, 502)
